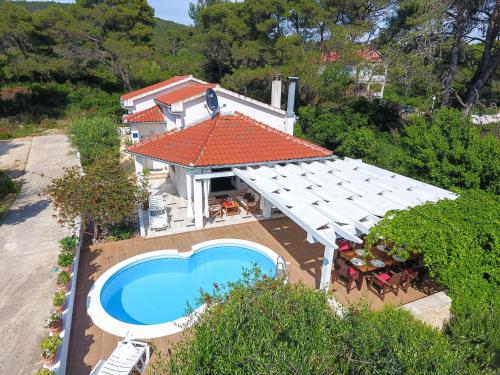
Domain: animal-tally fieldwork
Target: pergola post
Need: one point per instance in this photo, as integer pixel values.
(266, 207)
(189, 184)
(326, 270)
(139, 169)
(206, 193)
(198, 203)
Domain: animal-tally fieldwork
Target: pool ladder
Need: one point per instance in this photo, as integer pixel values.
(281, 269)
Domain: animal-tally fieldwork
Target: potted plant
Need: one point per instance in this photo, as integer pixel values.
(54, 323)
(368, 255)
(44, 371)
(63, 279)
(48, 348)
(65, 260)
(59, 300)
(68, 243)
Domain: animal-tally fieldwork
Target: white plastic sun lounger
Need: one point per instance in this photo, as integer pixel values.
(158, 217)
(129, 355)
(156, 203)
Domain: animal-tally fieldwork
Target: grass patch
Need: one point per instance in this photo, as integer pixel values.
(10, 129)
(8, 192)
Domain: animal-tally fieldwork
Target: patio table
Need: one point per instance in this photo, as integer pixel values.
(231, 207)
(368, 268)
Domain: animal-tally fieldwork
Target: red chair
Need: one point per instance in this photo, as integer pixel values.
(386, 282)
(345, 275)
(344, 246)
(411, 276)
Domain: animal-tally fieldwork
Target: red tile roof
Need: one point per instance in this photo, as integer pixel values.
(153, 114)
(152, 87)
(369, 55)
(227, 140)
(183, 93)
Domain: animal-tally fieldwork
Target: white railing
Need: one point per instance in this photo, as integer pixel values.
(59, 367)
(281, 269)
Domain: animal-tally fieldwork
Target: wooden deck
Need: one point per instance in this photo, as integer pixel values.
(89, 343)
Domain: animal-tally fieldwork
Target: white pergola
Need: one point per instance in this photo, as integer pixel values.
(339, 198)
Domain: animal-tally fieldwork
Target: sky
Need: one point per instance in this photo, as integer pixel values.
(172, 10)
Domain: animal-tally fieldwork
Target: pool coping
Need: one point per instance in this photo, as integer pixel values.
(106, 322)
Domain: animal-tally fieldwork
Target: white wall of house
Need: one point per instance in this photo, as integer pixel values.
(171, 119)
(147, 101)
(147, 130)
(195, 110)
(152, 165)
(178, 177)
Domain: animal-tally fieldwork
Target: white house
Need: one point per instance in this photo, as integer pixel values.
(180, 102)
(214, 161)
(212, 148)
(369, 74)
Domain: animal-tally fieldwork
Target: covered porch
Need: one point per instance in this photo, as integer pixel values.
(190, 195)
(198, 163)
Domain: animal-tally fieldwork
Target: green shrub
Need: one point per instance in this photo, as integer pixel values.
(63, 278)
(460, 243)
(7, 186)
(392, 341)
(49, 345)
(8, 191)
(108, 193)
(65, 259)
(261, 328)
(121, 232)
(91, 101)
(449, 151)
(44, 371)
(95, 138)
(59, 298)
(262, 325)
(68, 243)
(446, 150)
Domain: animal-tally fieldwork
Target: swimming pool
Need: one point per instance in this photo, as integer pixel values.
(148, 295)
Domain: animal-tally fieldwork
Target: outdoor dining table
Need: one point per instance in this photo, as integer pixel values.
(367, 268)
(231, 207)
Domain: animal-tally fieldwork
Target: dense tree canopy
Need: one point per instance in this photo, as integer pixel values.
(445, 150)
(446, 49)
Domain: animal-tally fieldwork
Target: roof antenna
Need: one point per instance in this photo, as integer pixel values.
(212, 102)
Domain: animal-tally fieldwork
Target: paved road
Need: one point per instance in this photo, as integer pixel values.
(28, 251)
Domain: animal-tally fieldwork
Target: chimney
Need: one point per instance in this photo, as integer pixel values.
(292, 88)
(276, 92)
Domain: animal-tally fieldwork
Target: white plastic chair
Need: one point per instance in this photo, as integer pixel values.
(129, 355)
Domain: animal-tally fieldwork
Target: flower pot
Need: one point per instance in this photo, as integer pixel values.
(67, 268)
(55, 327)
(64, 286)
(49, 361)
(61, 308)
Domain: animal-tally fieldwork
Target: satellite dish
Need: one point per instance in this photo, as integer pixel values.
(212, 101)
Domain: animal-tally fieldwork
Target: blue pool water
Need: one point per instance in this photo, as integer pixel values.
(158, 290)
